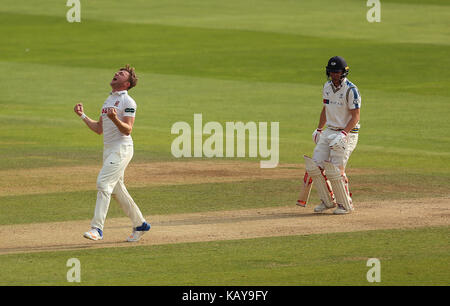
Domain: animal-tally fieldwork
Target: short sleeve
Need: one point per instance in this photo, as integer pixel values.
(129, 107)
(325, 96)
(353, 98)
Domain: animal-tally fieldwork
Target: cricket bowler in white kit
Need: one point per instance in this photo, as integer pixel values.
(335, 144)
(116, 123)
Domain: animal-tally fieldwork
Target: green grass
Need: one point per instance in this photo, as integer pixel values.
(407, 257)
(50, 130)
(400, 18)
(229, 74)
(231, 61)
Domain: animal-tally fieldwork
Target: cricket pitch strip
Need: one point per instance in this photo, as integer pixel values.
(227, 225)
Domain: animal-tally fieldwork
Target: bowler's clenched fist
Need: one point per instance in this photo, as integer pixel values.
(112, 113)
(79, 109)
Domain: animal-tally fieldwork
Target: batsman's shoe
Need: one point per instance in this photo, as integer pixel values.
(340, 210)
(94, 234)
(138, 232)
(321, 207)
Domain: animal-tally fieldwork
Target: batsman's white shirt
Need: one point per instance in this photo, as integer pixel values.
(125, 107)
(338, 102)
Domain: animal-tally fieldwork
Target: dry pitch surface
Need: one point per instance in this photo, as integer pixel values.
(207, 226)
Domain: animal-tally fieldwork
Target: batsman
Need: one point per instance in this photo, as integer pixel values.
(335, 143)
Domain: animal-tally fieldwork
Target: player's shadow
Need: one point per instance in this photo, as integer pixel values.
(234, 219)
(227, 218)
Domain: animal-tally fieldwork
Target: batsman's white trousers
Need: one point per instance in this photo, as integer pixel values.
(110, 182)
(323, 152)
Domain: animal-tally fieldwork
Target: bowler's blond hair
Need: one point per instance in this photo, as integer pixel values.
(132, 78)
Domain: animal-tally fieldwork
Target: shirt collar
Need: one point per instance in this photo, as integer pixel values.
(340, 85)
(118, 93)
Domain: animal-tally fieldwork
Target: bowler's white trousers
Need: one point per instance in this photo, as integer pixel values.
(110, 182)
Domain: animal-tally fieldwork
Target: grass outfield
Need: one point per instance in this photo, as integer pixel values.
(231, 61)
(407, 257)
(234, 73)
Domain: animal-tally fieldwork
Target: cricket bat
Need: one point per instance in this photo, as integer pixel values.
(305, 191)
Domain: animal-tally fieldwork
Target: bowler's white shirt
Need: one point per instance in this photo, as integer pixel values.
(125, 107)
(339, 101)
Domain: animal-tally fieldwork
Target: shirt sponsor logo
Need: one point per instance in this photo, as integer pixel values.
(129, 110)
(326, 101)
(105, 110)
(337, 103)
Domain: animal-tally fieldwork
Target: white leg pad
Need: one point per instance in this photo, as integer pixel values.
(323, 185)
(339, 184)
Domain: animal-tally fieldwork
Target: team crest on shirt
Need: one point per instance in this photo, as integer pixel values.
(117, 103)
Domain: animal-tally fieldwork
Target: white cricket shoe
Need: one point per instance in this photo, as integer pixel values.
(340, 210)
(321, 207)
(138, 232)
(94, 234)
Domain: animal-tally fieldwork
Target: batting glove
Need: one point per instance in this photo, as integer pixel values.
(316, 135)
(339, 143)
